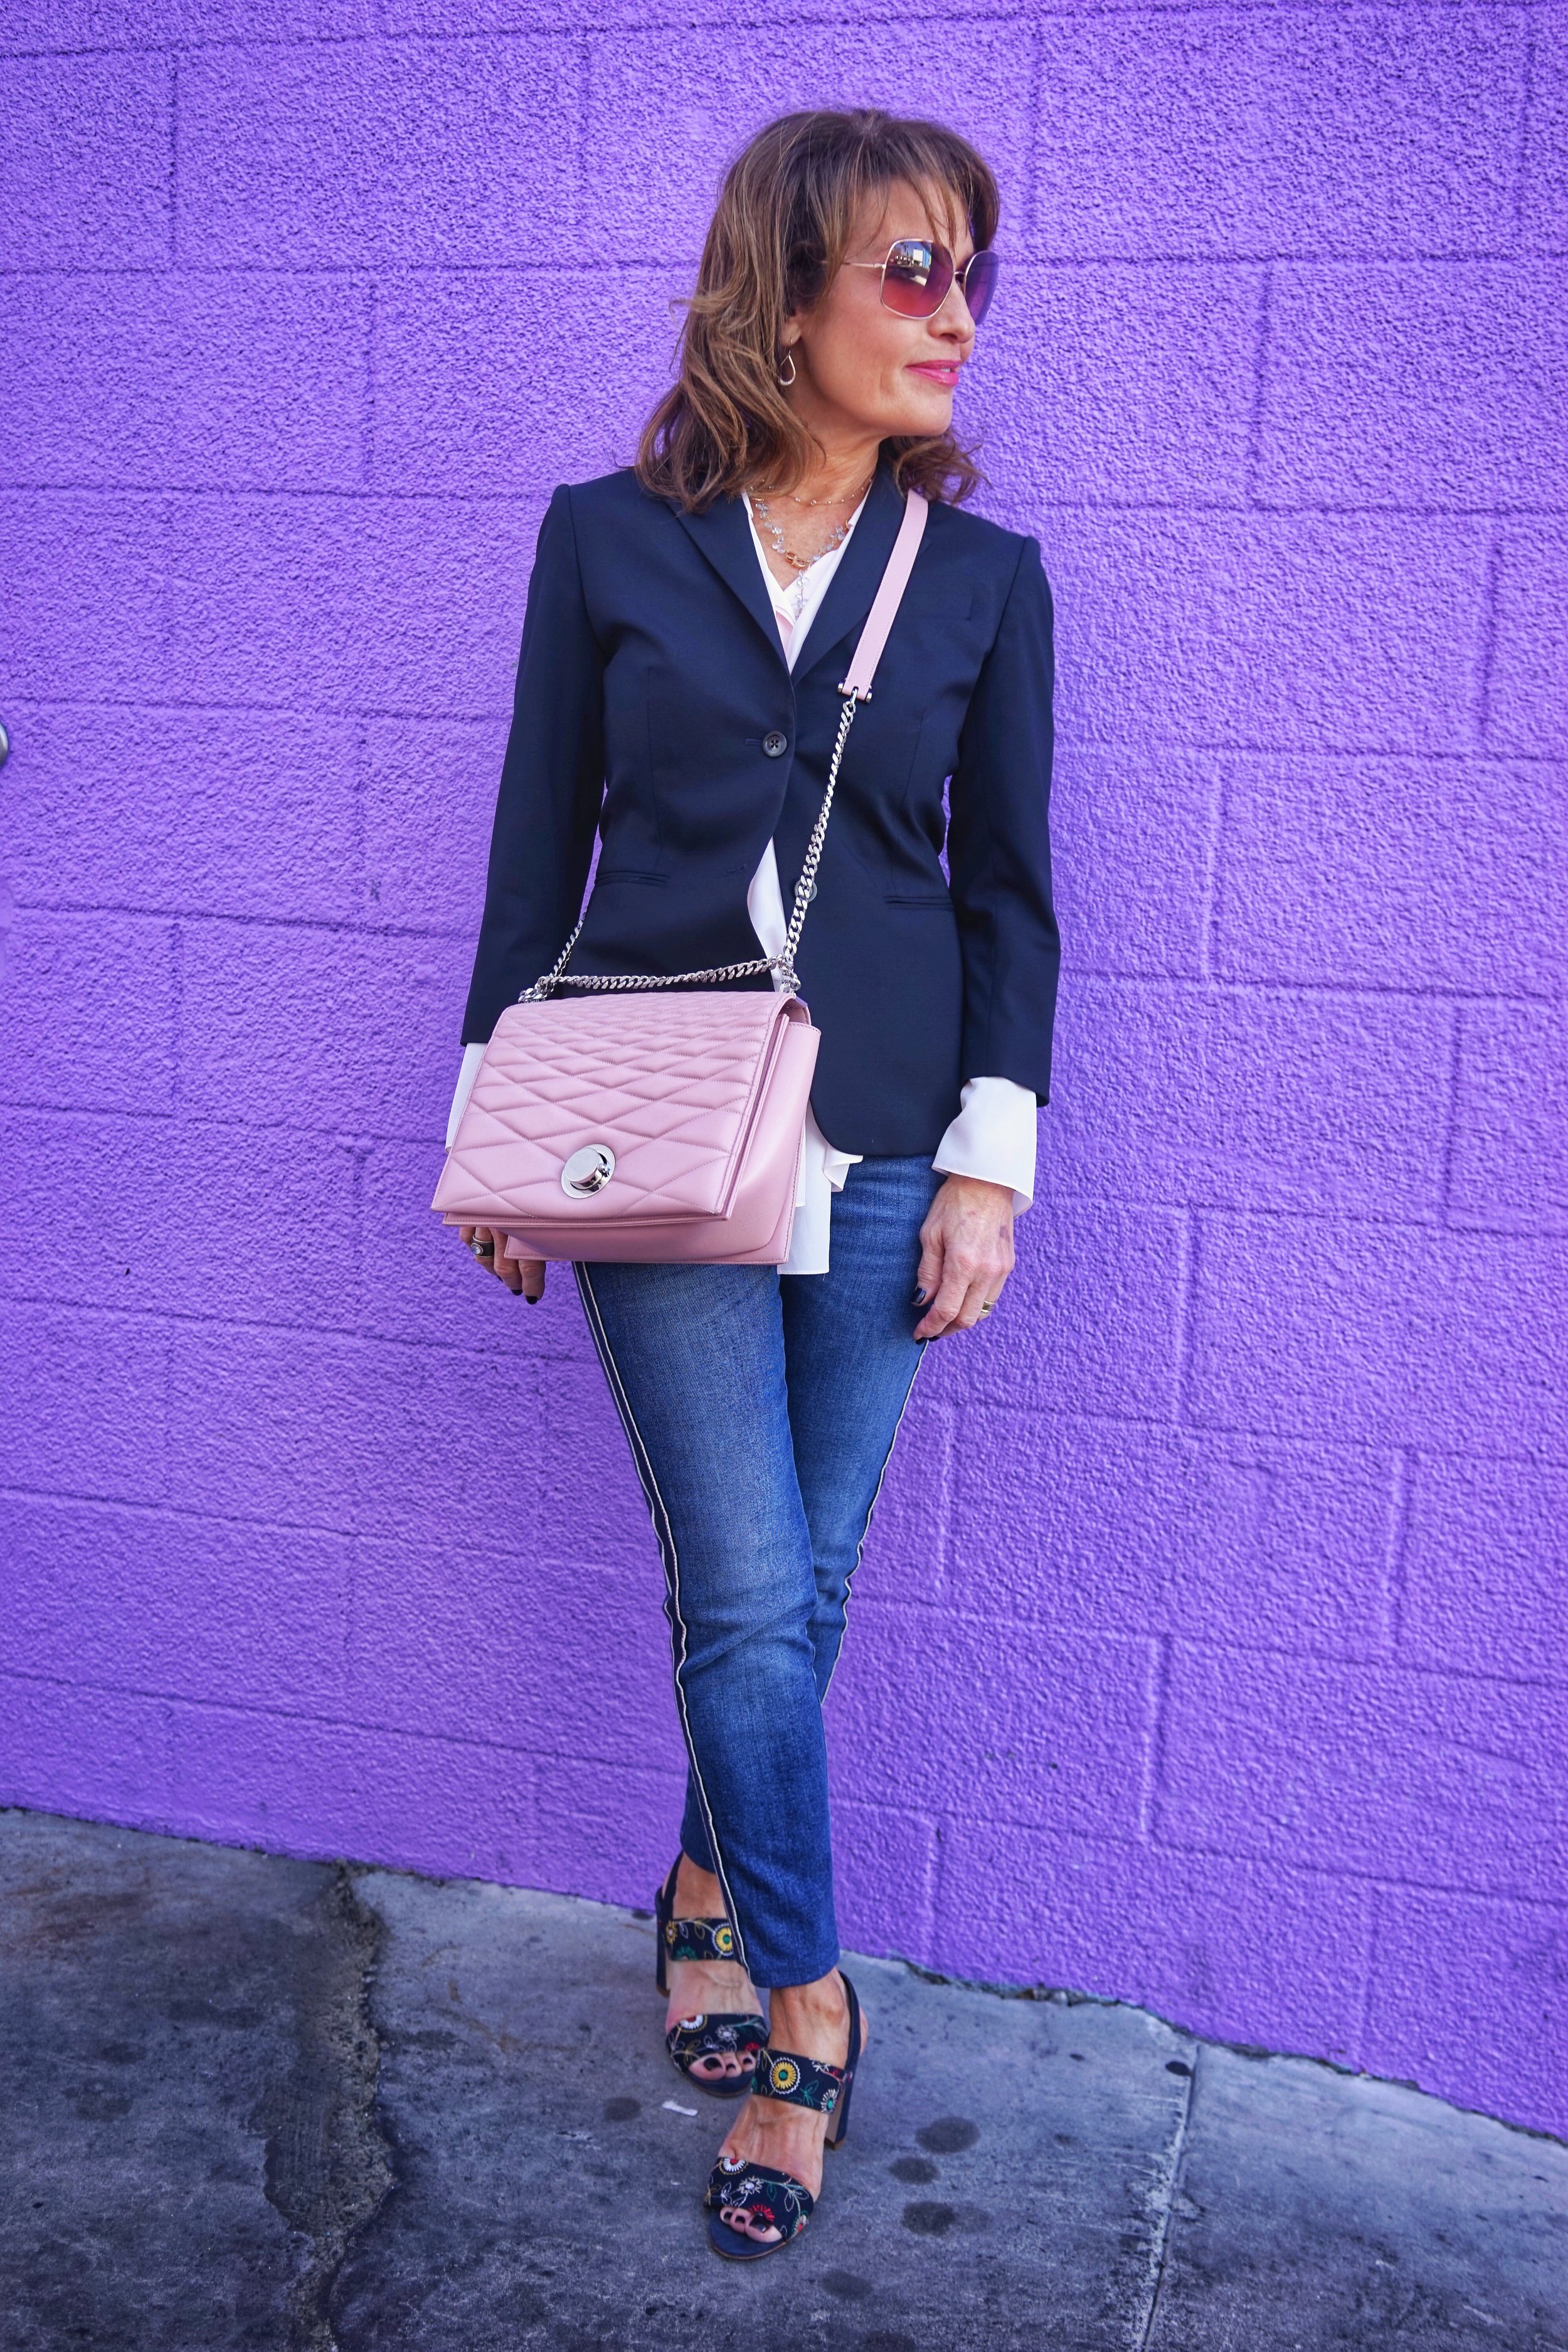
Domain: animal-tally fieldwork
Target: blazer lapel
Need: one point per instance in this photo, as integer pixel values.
(849, 591)
(723, 532)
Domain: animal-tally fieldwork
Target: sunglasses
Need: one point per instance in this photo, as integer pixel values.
(917, 279)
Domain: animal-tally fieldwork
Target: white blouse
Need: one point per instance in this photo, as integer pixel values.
(993, 1136)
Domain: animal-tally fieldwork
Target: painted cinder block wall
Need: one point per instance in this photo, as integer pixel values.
(1210, 1650)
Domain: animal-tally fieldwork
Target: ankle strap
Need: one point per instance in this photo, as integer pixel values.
(798, 2082)
(699, 1939)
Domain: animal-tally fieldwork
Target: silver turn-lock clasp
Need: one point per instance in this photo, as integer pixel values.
(588, 1170)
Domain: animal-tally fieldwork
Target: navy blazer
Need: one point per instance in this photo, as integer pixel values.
(654, 705)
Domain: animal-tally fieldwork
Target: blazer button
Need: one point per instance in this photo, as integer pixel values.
(775, 745)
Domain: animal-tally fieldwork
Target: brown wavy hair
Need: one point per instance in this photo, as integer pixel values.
(786, 213)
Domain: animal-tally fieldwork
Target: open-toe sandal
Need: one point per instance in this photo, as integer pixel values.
(776, 2200)
(710, 2034)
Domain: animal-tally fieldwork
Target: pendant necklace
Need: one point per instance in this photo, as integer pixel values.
(798, 562)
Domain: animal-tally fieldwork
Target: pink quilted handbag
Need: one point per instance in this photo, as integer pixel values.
(642, 1127)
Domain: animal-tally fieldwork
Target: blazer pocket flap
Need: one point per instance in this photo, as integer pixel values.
(920, 898)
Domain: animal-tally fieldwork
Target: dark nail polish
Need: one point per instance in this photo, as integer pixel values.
(920, 1298)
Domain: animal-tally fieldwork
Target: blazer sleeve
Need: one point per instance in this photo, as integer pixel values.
(999, 849)
(551, 784)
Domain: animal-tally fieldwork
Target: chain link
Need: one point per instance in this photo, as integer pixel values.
(782, 963)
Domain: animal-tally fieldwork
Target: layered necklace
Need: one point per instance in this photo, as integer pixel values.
(802, 559)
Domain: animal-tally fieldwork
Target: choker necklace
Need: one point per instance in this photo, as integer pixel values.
(844, 497)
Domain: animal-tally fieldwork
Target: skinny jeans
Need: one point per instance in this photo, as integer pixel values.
(761, 1411)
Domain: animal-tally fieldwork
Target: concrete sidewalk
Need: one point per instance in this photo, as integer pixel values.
(259, 2103)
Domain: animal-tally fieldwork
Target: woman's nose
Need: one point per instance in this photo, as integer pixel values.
(953, 319)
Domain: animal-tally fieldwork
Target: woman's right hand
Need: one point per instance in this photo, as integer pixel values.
(524, 1275)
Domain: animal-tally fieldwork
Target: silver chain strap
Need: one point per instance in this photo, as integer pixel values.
(782, 963)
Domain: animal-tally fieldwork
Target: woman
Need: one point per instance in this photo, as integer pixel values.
(688, 623)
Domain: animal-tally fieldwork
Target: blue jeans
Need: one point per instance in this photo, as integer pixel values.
(761, 1411)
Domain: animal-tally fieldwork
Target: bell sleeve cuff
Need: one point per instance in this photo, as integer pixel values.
(993, 1137)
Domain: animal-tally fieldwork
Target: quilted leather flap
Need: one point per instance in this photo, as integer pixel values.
(668, 1083)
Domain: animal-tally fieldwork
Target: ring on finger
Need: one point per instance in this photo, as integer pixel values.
(482, 1249)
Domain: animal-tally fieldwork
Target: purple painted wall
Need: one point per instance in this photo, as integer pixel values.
(1211, 1647)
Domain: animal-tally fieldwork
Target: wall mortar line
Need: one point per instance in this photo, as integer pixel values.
(174, 159)
(1368, 1971)
(1526, 110)
(1030, 206)
(1400, 1494)
(1486, 638)
(1254, 459)
(1189, 1238)
(177, 935)
(1214, 850)
(1153, 1773)
(1452, 1112)
(367, 448)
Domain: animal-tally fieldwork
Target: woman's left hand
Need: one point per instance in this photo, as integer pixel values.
(966, 1255)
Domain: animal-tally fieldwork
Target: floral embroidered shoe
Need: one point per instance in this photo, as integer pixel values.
(760, 2197)
(743, 2197)
(710, 2035)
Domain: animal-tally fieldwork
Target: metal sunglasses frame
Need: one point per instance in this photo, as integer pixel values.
(913, 245)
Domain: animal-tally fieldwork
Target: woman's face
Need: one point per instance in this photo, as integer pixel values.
(859, 367)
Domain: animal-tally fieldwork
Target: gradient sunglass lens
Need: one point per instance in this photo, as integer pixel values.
(915, 278)
(980, 283)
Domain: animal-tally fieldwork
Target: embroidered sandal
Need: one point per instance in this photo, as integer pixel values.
(708, 2035)
(776, 2200)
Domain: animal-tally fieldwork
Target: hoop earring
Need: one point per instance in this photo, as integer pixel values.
(786, 381)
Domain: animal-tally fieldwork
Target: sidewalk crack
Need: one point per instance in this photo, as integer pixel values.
(1164, 2199)
(329, 2159)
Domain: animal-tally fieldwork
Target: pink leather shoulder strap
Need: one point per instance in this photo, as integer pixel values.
(886, 602)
